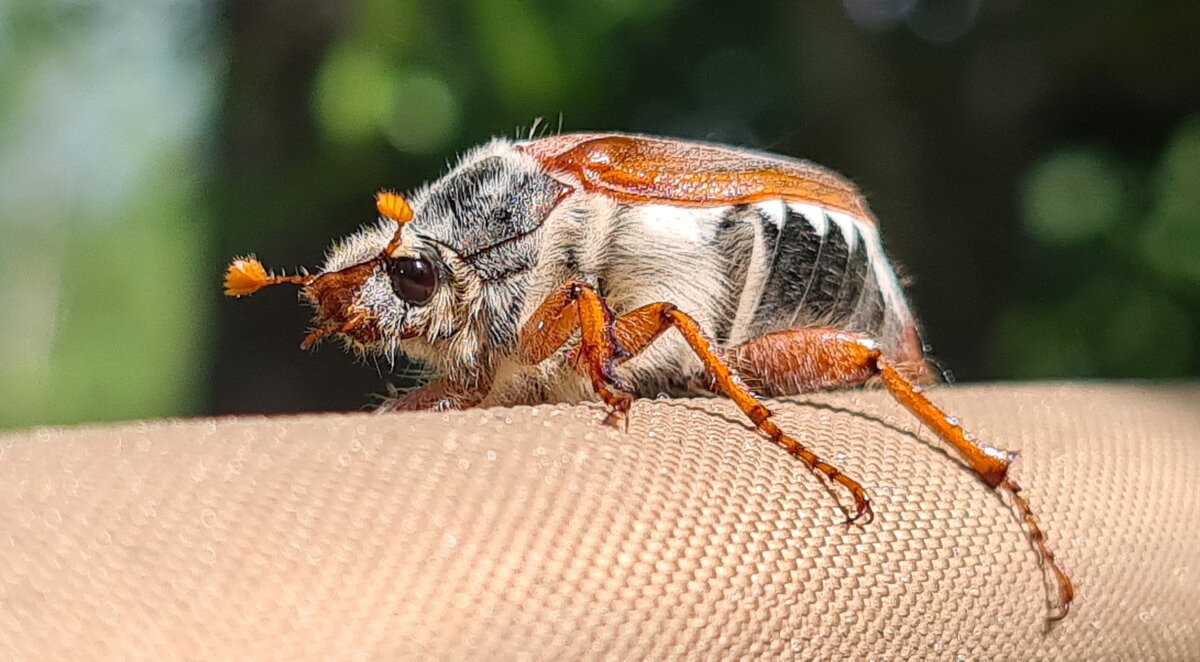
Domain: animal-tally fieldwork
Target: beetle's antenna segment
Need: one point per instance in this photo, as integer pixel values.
(246, 275)
(394, 207)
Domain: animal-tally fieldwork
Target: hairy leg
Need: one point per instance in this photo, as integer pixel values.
(805, 360)
(576, 307)
(438, 395)
(607, 341)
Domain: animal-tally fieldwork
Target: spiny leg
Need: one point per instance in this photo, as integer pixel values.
(570, 307)
(804, 360)
(1066, 589)
(606, 342)
(438, 395)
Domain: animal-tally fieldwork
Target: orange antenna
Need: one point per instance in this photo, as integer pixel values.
(246, 275)
(393, 206)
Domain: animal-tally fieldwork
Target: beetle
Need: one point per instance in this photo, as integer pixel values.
(552, 269)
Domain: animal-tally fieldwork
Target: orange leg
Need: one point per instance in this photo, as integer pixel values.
(605, 342)
(803, 360)
(438, 395)
(571, 307)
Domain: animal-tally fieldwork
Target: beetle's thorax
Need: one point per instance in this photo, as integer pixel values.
(480, 224)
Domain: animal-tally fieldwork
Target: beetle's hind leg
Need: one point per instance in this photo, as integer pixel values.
(810, 359)
(607, 341)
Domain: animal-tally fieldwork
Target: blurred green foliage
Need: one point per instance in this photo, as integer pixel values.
(102, 239)
(1055, 210)
(1129, 309)
(1036, 167)
(1170, 234)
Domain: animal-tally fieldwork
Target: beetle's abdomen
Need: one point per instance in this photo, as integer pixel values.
(812, 266)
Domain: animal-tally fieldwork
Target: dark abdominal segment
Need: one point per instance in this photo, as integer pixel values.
(819, 274)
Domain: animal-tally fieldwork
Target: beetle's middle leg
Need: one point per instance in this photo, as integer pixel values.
(607, 341)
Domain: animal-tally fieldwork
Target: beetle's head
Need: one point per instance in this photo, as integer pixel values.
(371, 297)
(460, 264)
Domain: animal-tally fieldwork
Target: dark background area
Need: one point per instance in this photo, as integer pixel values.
(1035, 167)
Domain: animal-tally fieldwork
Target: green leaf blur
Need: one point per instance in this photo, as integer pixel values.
(1035, 168)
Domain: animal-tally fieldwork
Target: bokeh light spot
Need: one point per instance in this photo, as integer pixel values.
(424, 113)
(1170, 241)
(944, 21)
(1073, 195)
(877, 15)
(354, 92)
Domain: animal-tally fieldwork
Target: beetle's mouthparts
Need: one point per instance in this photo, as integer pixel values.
(353, 322)
(332, 293)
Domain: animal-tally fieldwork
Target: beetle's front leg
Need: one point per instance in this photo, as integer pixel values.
(438, 395)
(571, 307)
(605, 342)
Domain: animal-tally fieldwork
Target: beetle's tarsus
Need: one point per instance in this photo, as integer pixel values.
(1046, 557)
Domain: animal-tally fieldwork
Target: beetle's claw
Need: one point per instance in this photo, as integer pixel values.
(618, 409)
(863, 514)
(614, 418)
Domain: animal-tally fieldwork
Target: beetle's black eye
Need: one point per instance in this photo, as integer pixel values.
(413, 279)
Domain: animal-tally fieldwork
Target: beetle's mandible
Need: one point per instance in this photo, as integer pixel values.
(553, 269)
